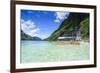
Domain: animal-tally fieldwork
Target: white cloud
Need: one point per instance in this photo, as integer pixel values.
(29, 27)
(61, 16)
(44, 36)
(57, 20)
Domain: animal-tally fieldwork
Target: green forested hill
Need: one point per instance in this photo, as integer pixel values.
(85, 28)
(27, 37)
(75, 20)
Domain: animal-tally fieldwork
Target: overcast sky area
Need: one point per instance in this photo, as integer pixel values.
(41, 23)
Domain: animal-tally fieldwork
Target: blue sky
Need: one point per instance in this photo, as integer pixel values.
(41, 23)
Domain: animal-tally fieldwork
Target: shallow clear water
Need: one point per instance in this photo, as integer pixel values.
(46, 51)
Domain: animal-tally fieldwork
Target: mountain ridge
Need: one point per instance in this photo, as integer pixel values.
(27, 37)
(75, 22)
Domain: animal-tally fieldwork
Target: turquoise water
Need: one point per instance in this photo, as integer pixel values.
(45, 51)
